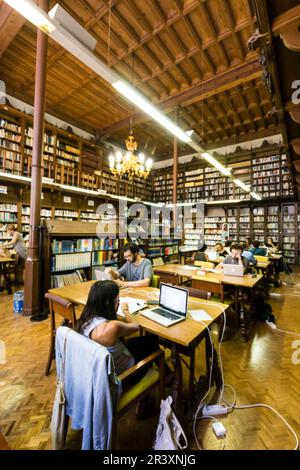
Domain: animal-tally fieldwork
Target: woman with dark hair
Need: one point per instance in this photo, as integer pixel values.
(99, 322)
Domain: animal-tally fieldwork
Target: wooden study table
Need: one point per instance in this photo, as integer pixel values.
(215, 282)
(183, 337)
(4, 271)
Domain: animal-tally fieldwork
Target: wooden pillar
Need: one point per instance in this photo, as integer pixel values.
(175, 164)
(32, 266)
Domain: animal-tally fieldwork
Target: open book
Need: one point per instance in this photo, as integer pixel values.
(134, 305)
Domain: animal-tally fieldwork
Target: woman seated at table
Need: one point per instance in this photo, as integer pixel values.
(272, 247)
(258, 250)
(99, 322)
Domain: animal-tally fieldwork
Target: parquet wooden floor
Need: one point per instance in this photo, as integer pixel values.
(261, 371)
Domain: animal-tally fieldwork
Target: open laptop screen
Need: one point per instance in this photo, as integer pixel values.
(173, 298)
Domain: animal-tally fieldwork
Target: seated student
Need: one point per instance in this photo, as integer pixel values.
(249, 255)
(272, 247)
(99, 322)
(247, 244)
(236, 257)
(257, 250)
(221, 250)
(137, 271)
(200, 255)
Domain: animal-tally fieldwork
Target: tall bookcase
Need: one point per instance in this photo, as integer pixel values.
(289, 232)
(72, 250)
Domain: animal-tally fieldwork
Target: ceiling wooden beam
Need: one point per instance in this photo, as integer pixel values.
(10, 24)
(218, 84)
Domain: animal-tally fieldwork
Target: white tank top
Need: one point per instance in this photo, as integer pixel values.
(123, 360)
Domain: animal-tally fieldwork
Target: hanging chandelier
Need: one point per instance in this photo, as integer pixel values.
(129, 164)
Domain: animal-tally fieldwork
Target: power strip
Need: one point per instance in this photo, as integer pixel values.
(214, 410)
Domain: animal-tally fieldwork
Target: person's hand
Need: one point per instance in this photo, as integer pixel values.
(120, 283)
(108, 270)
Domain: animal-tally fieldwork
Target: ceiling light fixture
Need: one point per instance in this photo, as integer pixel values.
(129, 164)
(137, 99)
(242, 185)
(216, 164)
(256, 196)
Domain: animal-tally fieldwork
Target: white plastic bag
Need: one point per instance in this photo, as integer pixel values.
(58, 421)
(169, 430)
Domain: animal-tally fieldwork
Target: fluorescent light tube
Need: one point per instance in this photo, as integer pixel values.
(215, 163)
(256, 196)
(79, 190)
(227, 201)
(136, 98)
(242, 185)
(32, 13)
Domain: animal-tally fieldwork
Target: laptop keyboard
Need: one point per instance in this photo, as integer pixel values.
(165, 313)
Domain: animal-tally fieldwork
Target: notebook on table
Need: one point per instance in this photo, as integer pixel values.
(173, 303)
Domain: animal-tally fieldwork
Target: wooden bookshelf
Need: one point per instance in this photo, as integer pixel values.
(67, 158)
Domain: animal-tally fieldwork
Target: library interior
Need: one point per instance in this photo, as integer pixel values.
(149, 225)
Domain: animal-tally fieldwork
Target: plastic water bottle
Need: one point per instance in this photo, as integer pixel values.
(18, 301)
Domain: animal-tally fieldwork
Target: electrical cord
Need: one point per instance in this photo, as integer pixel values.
(274, 327)
(211, 365)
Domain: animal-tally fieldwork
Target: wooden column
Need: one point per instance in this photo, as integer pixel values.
(32, 267)
(175, 164)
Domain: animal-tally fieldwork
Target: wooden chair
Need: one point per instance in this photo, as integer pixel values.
(132, 394)
(155, 281)
(65, 309)
(168, 278)
(261, 259)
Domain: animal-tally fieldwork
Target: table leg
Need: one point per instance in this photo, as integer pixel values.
(243, 321)
(177, 385)
(6, 275)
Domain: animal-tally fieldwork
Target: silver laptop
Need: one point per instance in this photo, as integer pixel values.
(173, 303)
(233, 270)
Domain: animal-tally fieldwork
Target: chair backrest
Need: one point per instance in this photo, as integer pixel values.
(261, 259)
(204, 264)
(62, 307)
(155, 281)
(198, 293)
(200, 256)
(168, 277)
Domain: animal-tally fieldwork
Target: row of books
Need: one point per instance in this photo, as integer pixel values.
(66, 262)
(9, 135)
(104, 257)
(10, 126)
(62, 280)
(84, 245)
(7, 144)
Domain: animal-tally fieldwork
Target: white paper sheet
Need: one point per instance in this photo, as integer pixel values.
(200, 315)
(134, 305)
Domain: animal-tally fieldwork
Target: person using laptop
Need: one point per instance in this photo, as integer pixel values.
(236, 258)
(136, 272)
(99, 322)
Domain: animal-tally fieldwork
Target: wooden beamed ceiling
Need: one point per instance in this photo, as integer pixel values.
(185, 55)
